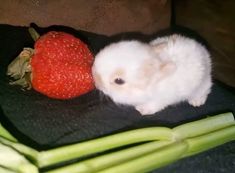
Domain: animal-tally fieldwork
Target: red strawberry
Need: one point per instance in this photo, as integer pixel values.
(60, 66)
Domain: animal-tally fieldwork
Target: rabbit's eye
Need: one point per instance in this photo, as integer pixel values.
(119, 81)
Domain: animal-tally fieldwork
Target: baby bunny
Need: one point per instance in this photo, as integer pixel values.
(152, 76)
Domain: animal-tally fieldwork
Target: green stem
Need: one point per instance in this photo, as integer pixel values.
(5, 170)
(211, 140)
(111, 159)
(5, 134)
(191, 129)
(151, 161)
(34, 34)
(203, 126)
(13, 160)
(195, 145)
(28, 152)
(182, 141)
(73, 151)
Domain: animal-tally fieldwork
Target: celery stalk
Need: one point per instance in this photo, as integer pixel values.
(5, 134)
(191, 129)
(194, 145)
(203, 126)
(151, 161)
(5, 170)
(164, 145)
(208, 141)
(12, 160)
(61, 154)
(111, 159)
(217, 135)
(28, 152)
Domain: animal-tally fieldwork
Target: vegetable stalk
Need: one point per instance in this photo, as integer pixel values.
(191, 129)
(28, 152)
(154, 147)
(186, 132)
(204, 126)
(210, 140)
(12, 160)
(111, 159)
(73, 151)
(5, 134)
(151, 161)
(169, 154)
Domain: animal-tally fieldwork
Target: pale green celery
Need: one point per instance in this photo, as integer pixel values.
(186, 140)
(5, 170)
(194, 145)
(111, 159)
(73, 151)
(30, 153)
(191, 129)
(5, 134)
(203, 126)
(211, 140)
(151, 161)
(12, 160)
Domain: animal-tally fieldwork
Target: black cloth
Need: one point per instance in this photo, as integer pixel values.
(44, 123)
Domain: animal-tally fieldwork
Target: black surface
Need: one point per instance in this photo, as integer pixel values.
(44, 123)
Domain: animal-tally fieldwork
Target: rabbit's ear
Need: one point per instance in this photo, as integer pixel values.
(153, 71)
(167, 68)
(150, 67)
(146, 72)
(159, 47)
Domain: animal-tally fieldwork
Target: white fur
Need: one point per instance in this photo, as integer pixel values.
(190, 80)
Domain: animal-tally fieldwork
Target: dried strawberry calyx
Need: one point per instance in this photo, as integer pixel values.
(20, 70)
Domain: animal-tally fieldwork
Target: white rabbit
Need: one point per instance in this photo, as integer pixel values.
(152, 76)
